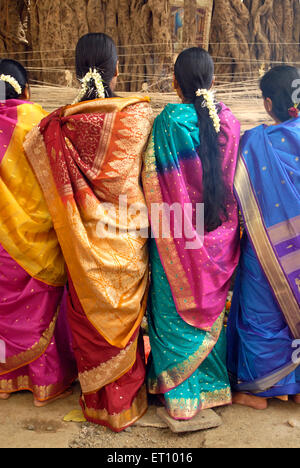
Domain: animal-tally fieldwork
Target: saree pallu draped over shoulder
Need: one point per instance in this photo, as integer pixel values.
(88, 159)
(189, 284)
(36, 345)
(262, 356)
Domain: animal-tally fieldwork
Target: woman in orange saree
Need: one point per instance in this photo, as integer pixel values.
(88, 159)
(35, 345)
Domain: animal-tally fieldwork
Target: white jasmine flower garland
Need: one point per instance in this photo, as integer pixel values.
(210, 104)
(96, 76)
(13, 82)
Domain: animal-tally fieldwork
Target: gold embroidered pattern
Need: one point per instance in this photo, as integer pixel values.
(41, 393)
(217, 398)
(188, 408)
(183, 408)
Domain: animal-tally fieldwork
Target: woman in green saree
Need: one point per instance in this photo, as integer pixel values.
(191, 160)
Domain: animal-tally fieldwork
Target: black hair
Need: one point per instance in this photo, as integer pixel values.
(96, 51)
(18, 72)
(277, 84)
(194, 69)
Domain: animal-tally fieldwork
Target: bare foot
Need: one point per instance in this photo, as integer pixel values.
(296, 399)
(41, 404)
(250, 400)
(4, 396)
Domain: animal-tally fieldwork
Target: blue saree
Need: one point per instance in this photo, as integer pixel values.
(264, 321)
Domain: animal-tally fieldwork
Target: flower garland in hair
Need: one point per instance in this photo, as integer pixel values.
(91, 75)
(210, 104)
(13, 82)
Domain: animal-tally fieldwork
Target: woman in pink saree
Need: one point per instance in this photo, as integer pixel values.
(35, 345)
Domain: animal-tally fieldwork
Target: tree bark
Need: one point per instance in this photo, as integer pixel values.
(13, 27)
(245, 36)
(257, 33)
(189, 28)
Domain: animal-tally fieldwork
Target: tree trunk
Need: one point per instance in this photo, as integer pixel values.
(245, 36)
(189, 28)
(13, 28)
(254, 35)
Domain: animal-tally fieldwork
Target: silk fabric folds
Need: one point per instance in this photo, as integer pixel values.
(264, 323)
(86, 157)
(35, 340)
(189, 287)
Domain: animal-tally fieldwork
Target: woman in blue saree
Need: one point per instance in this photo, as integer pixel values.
(264, 322)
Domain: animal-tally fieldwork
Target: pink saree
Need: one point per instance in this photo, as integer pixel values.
(35, 344)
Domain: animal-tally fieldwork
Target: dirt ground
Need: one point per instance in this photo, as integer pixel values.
(23, 425)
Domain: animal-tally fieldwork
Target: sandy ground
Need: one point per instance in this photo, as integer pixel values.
(24, 426)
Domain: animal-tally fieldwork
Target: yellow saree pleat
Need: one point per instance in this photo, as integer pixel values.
(26, 230)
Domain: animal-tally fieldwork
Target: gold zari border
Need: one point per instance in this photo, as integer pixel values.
(40, 392)
(173, 377)
(216, 398)
(188, 408)
(93, 380)
(16, 362)
(121, 420)
(264, 250)
(182, 292)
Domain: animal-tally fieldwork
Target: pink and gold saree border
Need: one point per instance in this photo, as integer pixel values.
(119, 421)
(264, 250)
(182, 293)
(40, 392)
(173, 377)
(16, 362)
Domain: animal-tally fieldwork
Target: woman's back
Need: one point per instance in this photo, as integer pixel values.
(268, 191)
(88, 159)
(95, 158)
(26, 224)
(189, 172)
(33, 328)
(173, 174)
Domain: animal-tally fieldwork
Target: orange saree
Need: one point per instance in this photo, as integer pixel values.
(87, 158)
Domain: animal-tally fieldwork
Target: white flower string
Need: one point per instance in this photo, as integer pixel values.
(91, 75)
(13, 82)
(210, 104)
